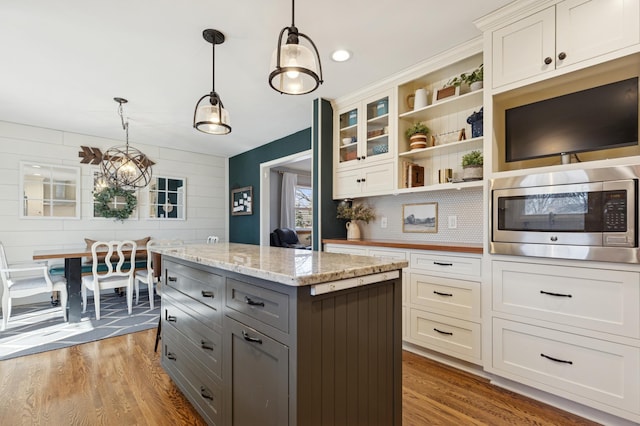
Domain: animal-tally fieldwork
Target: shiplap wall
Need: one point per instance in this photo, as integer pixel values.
(206, 193)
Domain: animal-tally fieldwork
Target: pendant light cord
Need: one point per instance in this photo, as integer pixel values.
(293, 8)
(125, 126)
(213, 67)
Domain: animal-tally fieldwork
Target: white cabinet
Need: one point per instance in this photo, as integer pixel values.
(570, 32)
(441, 301)
(375, 179)
(573, 331)
(364, 148)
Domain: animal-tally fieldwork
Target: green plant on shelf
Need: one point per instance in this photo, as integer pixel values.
(473, 158)
(417, 129)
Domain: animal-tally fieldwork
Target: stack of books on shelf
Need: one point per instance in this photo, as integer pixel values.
(412, 175)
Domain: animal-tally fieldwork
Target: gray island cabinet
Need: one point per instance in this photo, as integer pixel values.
(256, 335)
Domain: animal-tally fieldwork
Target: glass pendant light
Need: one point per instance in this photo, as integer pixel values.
(125, 166)
(296, 69)
(210, 115)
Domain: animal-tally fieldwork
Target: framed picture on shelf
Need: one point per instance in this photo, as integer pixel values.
(242, 201)
(420, 217)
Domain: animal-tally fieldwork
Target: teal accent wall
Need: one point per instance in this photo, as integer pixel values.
(324, 208)
(244, 170)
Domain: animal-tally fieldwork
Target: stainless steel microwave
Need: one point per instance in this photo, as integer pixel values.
(589, 214)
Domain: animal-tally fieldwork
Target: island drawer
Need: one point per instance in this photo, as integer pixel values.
(445, 264)
(602, 300)
(204, 392)
(455, 337)
(265, 305)
(455, 297)
(209, 315)
(597, 371)
(203, 342)
(205, 287)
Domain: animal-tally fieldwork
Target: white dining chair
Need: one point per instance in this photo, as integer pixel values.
(25, 280)
(112, 268)
(148, 276)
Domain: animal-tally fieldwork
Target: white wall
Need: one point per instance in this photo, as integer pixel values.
(206, 189)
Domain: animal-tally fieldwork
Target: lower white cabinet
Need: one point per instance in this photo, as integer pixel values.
(441, 303)
(569, 329)
(374, 179)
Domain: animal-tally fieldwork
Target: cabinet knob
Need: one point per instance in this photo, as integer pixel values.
(363, 180)
(358, 180)
(548, 60)
(562, 55)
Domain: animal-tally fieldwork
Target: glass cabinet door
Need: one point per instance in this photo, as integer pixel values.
(348, 136)
(377, 142)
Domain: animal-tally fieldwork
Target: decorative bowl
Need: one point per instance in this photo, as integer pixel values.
(346, 141)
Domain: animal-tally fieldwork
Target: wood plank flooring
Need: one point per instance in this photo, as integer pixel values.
(119, 381)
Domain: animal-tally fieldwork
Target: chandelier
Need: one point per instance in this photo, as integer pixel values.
(124, 166)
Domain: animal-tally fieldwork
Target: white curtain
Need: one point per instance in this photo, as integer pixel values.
(288, 201)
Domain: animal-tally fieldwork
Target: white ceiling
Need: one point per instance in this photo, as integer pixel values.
(63, 62)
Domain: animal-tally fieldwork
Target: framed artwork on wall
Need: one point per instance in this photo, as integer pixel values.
(242, 201)
(420, 217)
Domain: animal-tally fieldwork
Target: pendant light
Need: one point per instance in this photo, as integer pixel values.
(296, 70)
(210, 115)
(124, 166)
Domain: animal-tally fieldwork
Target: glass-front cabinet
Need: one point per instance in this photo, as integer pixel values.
(364, 132)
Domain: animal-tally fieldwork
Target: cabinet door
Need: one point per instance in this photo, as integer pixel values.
(346, 183)
(346, 146)
(376, 144)
(258, 374)
(520, 49)
(589, 28)
(377, 178)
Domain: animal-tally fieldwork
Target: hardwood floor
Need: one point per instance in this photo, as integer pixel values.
(119, 381)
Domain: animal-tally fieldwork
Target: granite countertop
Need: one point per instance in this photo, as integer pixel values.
(286, 266)
(412, 245)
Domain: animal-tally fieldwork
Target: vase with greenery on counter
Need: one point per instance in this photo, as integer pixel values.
(354, 213)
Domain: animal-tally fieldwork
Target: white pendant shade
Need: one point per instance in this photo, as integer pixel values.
(209, 120)
(298, 73)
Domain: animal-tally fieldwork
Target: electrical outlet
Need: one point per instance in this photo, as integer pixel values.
(453, 222)
(383, 222)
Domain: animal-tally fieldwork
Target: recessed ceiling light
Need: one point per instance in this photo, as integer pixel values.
(340, 55)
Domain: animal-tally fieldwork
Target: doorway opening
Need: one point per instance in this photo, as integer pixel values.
(270, 190)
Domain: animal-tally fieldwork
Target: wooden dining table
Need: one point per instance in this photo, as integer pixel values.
(73, 273)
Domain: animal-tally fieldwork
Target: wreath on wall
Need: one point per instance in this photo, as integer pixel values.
(106, 196)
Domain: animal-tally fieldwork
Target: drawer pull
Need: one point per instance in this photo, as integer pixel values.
(205, 393)
(443, 294)
(250, 339)
(556, 359)
(172, 279)
(443, 332)
(172, 318)
(443, 263)
(207, 294)
(555, 294)
(253, 303)
(171, 356)
(205, 345)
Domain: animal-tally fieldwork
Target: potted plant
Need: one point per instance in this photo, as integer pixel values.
(472, 163)
(474, 79)
(354, 213)
(417, 135)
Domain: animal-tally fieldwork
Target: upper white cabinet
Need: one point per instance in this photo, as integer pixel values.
(365, 148)
(569, 32)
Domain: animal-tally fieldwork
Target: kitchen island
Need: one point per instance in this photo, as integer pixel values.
(274, 336)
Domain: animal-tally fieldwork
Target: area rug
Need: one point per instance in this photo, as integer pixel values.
(40, 327)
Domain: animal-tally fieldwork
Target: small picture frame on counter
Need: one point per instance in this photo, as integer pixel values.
(421, 217)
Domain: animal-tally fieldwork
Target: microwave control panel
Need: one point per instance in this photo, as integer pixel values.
(615, 211)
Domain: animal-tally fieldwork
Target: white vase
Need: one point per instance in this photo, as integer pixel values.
(353, 230)
(476, 85)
